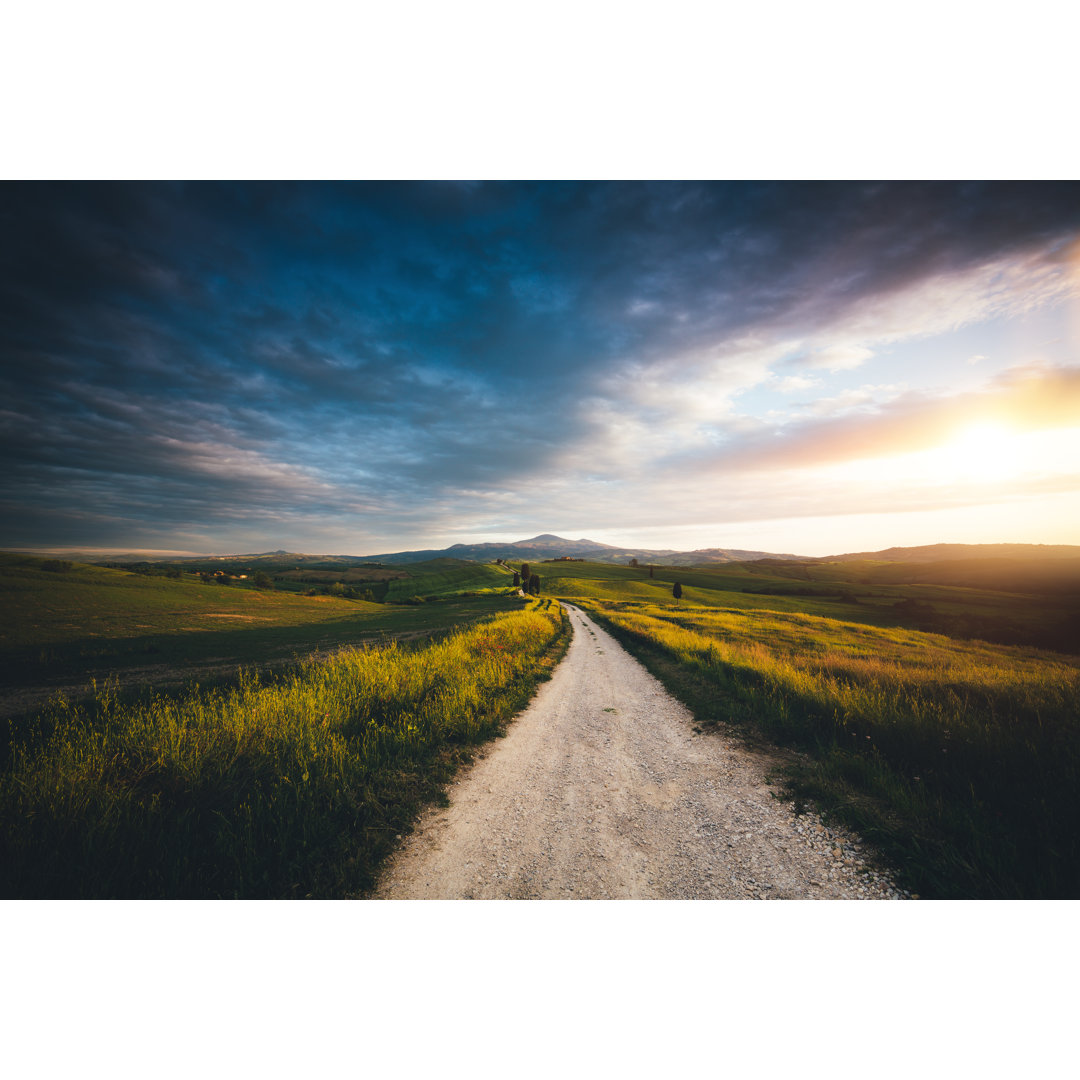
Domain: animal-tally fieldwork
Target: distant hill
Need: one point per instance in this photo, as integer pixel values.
(942, 552)
(701, 556)
(1050, 569)
(549, 546)
(535, 549)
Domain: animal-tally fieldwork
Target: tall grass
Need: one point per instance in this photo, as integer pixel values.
(961, 759)
(291, 788)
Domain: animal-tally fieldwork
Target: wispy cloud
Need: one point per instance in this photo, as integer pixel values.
(1024, 399)
(790, 384)
(838, 357)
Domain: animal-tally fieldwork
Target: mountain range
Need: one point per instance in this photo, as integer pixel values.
(548, 546)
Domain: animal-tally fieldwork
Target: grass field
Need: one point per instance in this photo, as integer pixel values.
(959, 759)
(295, 787)
(64, 627)
(917, 711)
(444, 578)
(852, 591)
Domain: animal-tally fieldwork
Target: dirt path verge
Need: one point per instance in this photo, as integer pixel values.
(603, 790)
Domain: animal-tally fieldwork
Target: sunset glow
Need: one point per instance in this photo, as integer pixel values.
(988, 457)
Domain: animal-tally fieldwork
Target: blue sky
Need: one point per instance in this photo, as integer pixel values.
(362, 368)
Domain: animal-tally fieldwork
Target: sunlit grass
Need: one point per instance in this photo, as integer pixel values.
(961, 757)
(291, 788)
(861, 592)
(62, 628)
(43, 608)
(444, 578)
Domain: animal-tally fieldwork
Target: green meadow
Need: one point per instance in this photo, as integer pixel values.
(204, 740)
(958, 757)
(937, 598)
(63, 626)
(442, 579)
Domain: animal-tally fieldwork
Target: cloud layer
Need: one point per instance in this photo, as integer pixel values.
(354, 367)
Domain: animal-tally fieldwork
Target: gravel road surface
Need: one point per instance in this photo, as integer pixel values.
(602, 790)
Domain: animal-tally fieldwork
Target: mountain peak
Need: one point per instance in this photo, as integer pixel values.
(545, 538)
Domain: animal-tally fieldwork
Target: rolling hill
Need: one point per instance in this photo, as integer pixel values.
(943, 552)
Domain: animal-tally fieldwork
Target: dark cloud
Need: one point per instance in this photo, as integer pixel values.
(200, 356)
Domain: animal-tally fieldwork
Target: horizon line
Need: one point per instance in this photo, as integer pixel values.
(71, 551)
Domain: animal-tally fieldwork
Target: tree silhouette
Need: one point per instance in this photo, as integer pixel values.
(676, 591)
(534, 584)
(517, 580)
(525, 572)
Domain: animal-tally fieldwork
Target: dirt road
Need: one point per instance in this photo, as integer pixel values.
(602, 790)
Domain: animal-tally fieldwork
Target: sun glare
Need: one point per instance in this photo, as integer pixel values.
(987, 458)
(980, 452)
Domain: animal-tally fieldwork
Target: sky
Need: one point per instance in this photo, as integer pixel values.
(809, 368)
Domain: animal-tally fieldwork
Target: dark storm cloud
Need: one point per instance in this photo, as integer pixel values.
(197, 356)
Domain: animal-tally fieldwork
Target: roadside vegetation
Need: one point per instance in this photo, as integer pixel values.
(959, 759)
(291, 787)
(936, 714)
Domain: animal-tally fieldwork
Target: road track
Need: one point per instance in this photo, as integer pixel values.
(602, 789)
